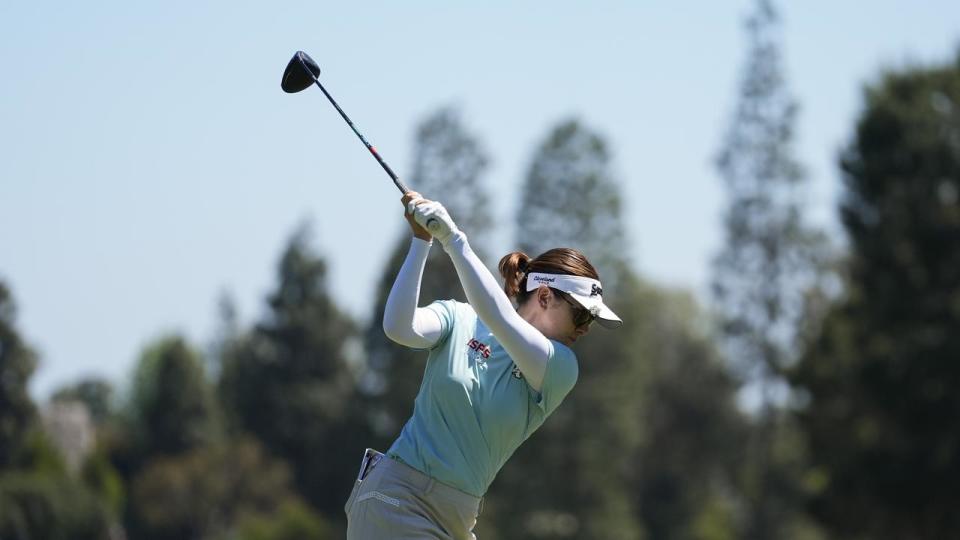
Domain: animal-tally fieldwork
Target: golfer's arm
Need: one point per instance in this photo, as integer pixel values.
(403, 321)
(528, 348)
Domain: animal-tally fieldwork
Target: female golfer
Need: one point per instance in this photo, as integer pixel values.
(493, 375)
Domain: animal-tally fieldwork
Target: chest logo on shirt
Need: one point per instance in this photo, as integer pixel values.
(516, 372)
(482, 352)
(481, 348)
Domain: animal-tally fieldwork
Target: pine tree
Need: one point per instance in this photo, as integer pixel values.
(172, 402)
(770, 256)
(288, 381)
(570, 199)
(770, 263)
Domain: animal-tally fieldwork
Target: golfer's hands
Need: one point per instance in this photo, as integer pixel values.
(418, 231)
(433, 217)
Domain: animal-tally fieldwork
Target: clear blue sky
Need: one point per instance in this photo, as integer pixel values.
(149, 160)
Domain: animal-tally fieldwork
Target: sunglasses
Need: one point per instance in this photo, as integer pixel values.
(581, 315)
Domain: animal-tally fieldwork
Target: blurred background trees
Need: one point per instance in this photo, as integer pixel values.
(771, 263)
(17, 363)
(881, 378)
(813, 398)
(288, 381)
(39, 497)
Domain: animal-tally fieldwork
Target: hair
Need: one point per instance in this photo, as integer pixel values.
(515, 266)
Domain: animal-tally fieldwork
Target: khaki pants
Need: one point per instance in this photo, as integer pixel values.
(396, 501)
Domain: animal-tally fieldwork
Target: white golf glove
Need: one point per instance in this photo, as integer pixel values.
(432, 216)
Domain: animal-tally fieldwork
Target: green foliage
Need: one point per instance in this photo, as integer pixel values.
(292, 521)
(102, 478)
(17, 363)
(770, 258)
(171, 402)
(763, 276)
(715, 520)
(693, 431)
(38, 454)
(881, 378)
(205, 492)
(52, 507)
(38, 499)
(288, 381)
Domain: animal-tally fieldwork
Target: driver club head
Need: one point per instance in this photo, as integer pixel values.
(301, 73)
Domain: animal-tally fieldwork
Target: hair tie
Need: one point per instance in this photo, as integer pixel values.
(523, 265)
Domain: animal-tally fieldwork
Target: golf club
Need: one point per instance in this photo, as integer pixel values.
(302, 72)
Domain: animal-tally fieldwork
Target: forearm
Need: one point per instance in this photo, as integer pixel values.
(402, 321)
(529, 348)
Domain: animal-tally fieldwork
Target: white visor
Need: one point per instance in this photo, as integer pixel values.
(587, 292)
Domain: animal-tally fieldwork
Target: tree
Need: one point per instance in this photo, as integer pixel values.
(210, 492)
(449, 163)
(95, 396)
(288, 381)
(770, 262)
(17, 362)
(37, 498)
(292, 521)
(38, 505)
(770, 258)
(693, 430)
(881, 376)
(171, 401)
(570, 199)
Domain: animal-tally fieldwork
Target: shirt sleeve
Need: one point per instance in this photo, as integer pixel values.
(446, 313)
(559, 378)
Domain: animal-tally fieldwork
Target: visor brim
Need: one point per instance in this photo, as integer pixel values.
(605, 316)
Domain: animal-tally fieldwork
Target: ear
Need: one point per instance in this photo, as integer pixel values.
(543, 296)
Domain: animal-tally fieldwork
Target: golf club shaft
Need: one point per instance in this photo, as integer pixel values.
(400, 185)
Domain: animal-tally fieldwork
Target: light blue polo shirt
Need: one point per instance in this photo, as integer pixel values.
(474, 408)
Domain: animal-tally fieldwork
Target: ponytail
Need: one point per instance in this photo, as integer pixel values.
(513, 269)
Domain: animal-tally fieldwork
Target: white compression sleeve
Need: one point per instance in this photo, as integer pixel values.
(528, 348)
(403, 321)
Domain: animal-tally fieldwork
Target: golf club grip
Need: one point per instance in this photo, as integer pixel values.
(401, 186)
